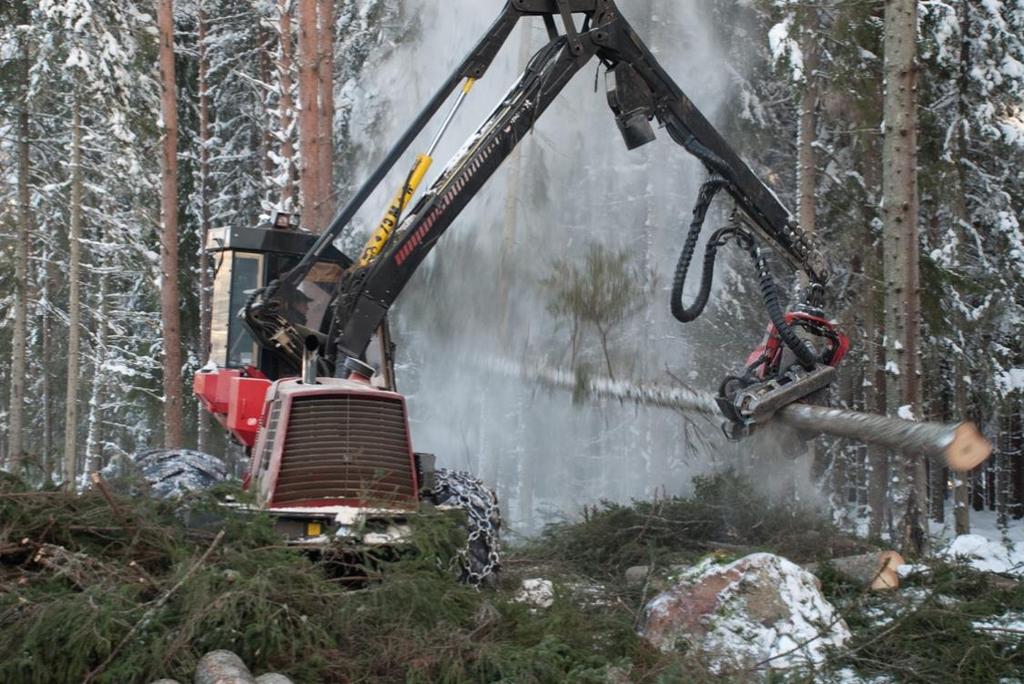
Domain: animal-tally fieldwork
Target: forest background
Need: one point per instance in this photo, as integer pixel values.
(128, 131)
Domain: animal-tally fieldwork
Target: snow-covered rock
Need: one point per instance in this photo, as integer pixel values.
(538, 593)
(760, 612)
(987, 556)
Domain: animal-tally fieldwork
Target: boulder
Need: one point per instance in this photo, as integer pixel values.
(272, 678)
(758, 613)
(222, 667)
(537, 593)
(636, 576)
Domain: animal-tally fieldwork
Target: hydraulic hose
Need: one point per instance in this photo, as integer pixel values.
(805, 354)
(683, 313)
(770, 294)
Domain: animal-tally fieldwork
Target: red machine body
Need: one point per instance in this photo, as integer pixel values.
(235, 397)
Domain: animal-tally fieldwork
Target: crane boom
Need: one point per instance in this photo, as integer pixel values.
(640, 92)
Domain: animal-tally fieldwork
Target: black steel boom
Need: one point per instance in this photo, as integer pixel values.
(642, 92)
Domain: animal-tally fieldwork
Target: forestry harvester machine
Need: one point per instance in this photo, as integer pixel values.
(301, 368)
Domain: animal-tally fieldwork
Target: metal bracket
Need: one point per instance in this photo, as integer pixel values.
(570, 26)
(758, 403)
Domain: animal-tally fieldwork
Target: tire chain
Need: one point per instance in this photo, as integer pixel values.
(483, 518)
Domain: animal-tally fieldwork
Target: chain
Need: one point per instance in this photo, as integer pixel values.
(479, 559)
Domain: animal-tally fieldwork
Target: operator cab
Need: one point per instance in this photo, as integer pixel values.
(246, 259)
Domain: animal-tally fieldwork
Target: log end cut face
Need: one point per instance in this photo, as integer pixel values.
(969, 448)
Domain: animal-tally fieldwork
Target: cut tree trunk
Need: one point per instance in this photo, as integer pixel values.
(874, 569)
(169, 300)
(70, 468)
(902, 277)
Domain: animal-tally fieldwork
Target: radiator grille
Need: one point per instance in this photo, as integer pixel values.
(345, 447)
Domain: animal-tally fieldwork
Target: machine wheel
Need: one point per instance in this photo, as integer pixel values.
(479, 561)
(173, 472)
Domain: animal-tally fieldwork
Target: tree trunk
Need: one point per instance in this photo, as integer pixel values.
(325, 132)
(900, 208)
(961, 486)
(309, 115)
(1017, 465)
(286, 104)
(265, 72)
(939, 410)
(807, 162)
(19, 335)
(94, 436)
(169, 300)
(74, 304)
(1007, 450)
(875, 390)
(50, 464)
(205, 276)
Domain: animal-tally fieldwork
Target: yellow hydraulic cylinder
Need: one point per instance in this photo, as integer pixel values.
(388, 224)
(398, 204)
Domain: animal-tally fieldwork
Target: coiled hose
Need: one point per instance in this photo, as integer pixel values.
(805, 354)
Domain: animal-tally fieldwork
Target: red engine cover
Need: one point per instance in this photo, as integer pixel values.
(235, 398)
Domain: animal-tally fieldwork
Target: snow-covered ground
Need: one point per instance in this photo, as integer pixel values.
(986, 548)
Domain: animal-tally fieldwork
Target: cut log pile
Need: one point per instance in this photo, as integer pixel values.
(225, 667)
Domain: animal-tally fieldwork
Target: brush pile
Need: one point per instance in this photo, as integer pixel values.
(102, 587)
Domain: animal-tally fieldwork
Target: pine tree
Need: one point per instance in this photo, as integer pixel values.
(169, 298)
(902, 278)
(19, 333)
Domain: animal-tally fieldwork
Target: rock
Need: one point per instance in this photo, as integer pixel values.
(757, 609)
(166, 681)
(538, 593)
(617, 675)
(272, 678)
(222, 667)
(637, 575)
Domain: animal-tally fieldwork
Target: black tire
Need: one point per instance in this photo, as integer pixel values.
(171, 473)
(480, 560)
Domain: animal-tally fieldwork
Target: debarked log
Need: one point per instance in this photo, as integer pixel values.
(957, 445)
